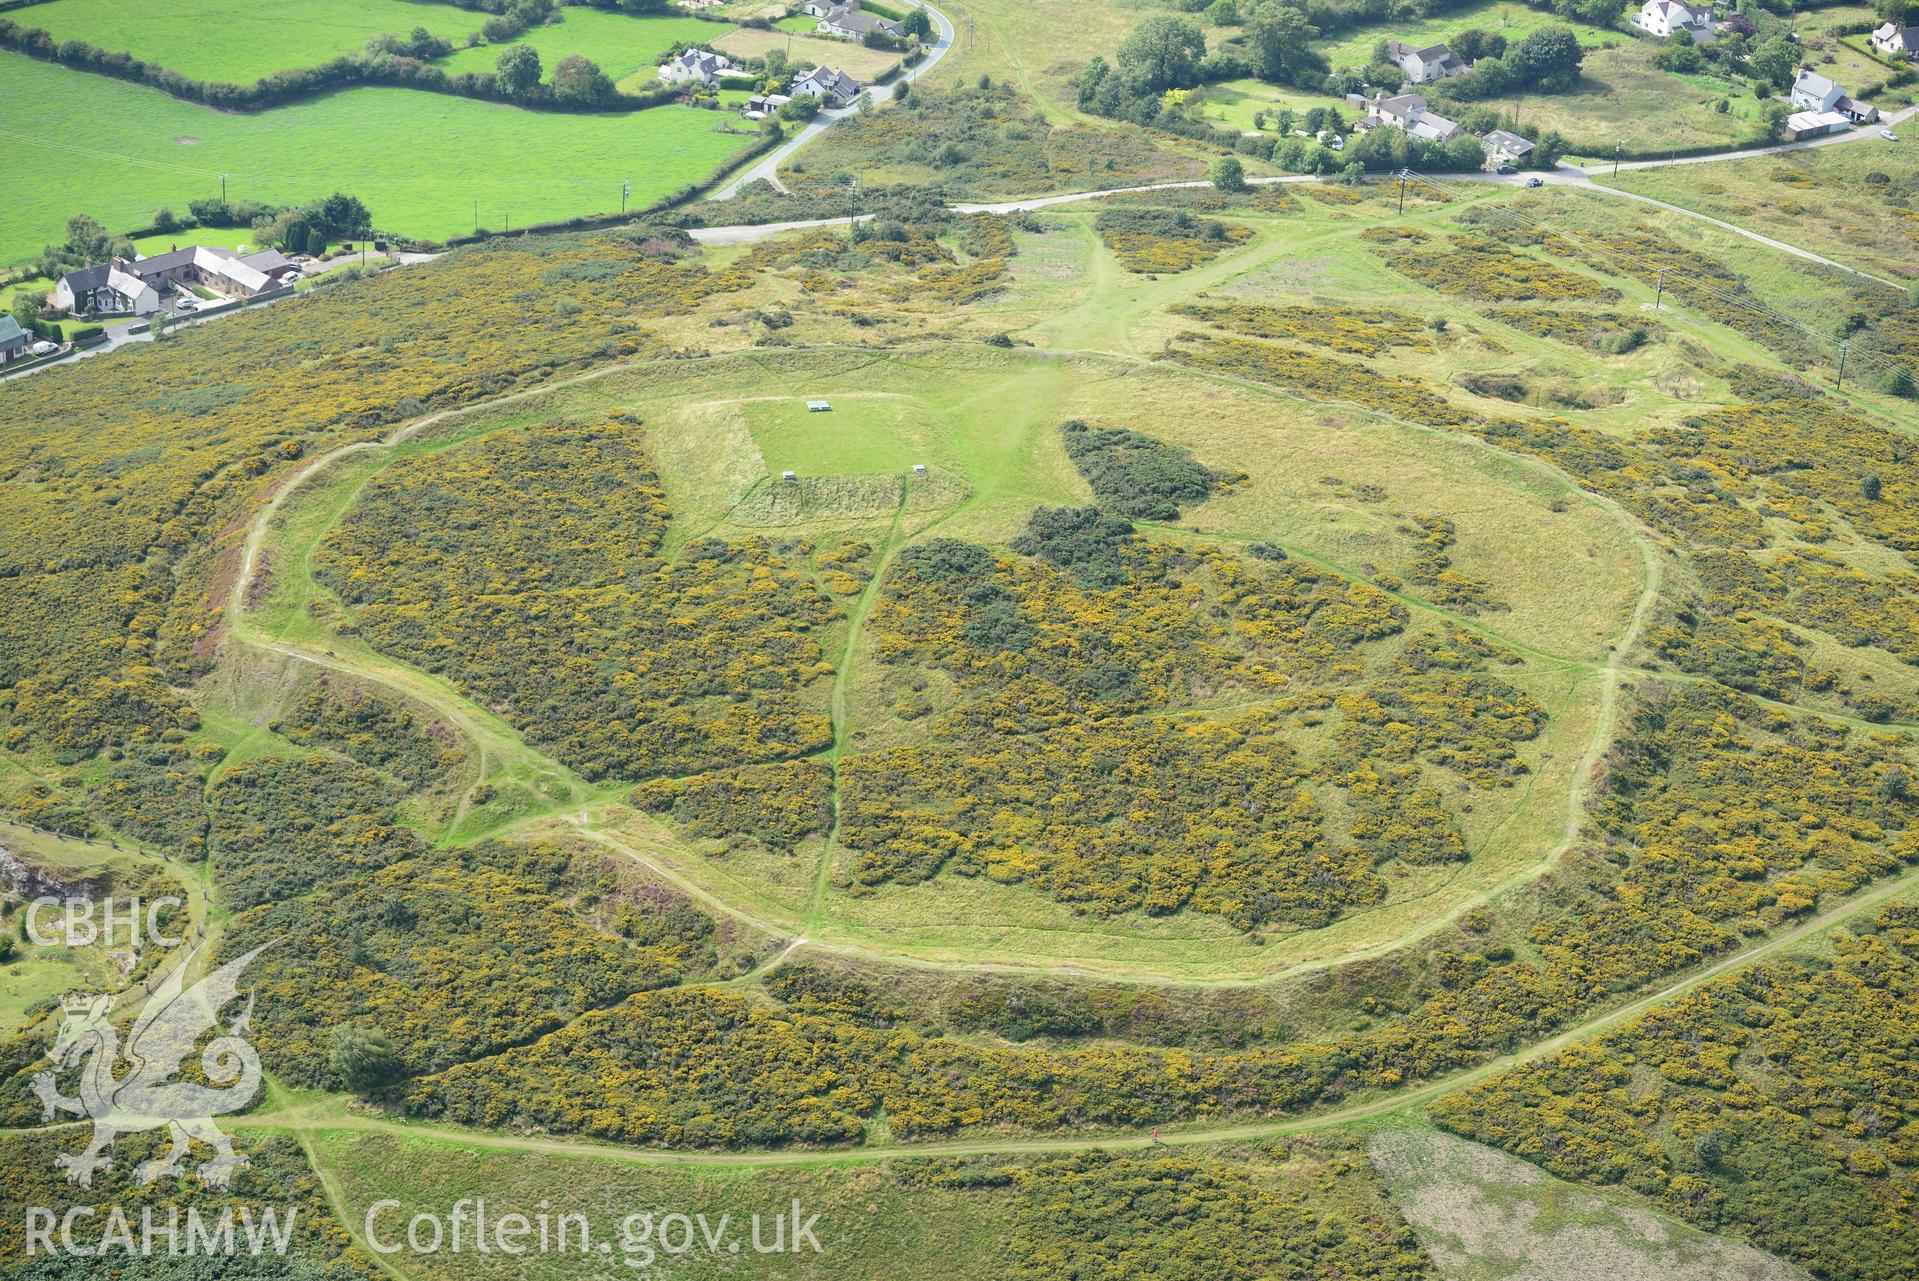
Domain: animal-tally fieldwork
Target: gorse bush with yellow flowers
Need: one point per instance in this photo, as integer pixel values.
(527, 567)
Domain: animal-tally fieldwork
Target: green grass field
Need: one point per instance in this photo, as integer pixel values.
(1514, 21)
(235, 41)
(1234, 103)
(622, 45)
(419, 160)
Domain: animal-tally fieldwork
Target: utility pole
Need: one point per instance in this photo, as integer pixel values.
(1659, 293)
(476, 215)
(626, 189)
(223, 189)
(1844, 348)
(1615, 159)
(1402, 192)
(853, 208)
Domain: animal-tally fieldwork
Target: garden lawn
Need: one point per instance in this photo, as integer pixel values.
(1514, 21)
(419, 160)
(620, 43)
(238, 41)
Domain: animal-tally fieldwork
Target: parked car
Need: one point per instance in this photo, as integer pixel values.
(184, 303)
(1535, 181)
(1889, 135)
(1508, 170)
(44, 348)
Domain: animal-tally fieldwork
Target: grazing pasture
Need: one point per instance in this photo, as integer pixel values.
(625, 47)
(236, 41)
(421, 161)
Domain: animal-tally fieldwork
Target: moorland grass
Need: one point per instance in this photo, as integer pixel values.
(419, 160)
(1820, 198)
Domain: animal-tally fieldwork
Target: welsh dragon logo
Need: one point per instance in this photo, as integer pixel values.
(149, 1096)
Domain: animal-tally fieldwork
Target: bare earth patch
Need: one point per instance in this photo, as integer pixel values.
(1484, 1215)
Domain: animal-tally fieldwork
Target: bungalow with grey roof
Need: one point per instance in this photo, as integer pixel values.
(1505, 148)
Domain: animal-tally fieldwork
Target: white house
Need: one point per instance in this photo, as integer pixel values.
(1813, 92)
(820, 8)
(697, 66)
(1670, 17)
(1423, 66)
(1408, 112)
(1505, 148)
(106, 289)
(1895, 41)
(830, 85)
(848, 22)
